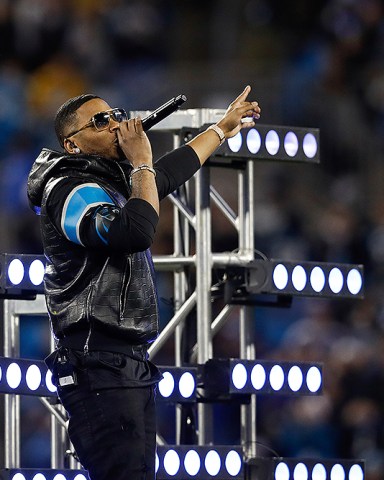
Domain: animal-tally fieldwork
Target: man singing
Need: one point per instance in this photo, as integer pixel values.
(98, 202)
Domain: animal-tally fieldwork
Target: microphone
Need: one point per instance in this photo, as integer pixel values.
(163, 111)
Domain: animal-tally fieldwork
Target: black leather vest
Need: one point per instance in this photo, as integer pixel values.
(113, 292)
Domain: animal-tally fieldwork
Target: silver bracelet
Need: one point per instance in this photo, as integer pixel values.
(143, 167)
(219, 132)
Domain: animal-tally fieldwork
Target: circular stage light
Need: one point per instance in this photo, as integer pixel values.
(13, 375)
(299, 278)
(187, 385)
(36, 272)
(280, 276)
(234, 143)
(80, 476)
(233, 463)
(272, 142)
(282, 471)
(319, 472)
(337, 472)
(317, 279)
(39, 476)
(300, 472)
(354, 281)
(335, 280)
(18, 476)
(291, 144)
(276, 377)
(295, 378)
(253, 140)
(192, 463)
(313, 379)
(171, 462)
(212, 463)
(16, 271)
(48, 382)
(310, 145)
(33, 377)
(356, 473)
(166, 385)
(239, 376)
(258, 377)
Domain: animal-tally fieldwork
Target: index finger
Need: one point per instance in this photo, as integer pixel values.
(243, 95)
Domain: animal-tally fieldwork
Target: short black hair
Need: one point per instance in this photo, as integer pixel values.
(66, 114)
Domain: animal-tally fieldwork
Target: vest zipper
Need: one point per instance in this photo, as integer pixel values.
(154, 292)
(86, 345)
(126, 283)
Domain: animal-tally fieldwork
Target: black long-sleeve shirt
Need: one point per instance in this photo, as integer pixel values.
(87, 215)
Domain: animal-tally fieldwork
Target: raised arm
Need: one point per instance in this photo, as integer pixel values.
(208, 141)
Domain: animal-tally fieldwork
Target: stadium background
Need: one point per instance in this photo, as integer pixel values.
(314, 64)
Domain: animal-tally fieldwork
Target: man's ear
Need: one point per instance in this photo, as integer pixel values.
(70, 147)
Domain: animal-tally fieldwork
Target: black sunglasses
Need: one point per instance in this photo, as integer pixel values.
(101, 120)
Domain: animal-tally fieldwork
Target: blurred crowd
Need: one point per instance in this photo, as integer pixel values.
(312, 64)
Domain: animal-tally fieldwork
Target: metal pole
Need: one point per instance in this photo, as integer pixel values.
(216, 325)
(11, 401)
(172, 324)
(247, 328)
(182, 218)
(203, 288)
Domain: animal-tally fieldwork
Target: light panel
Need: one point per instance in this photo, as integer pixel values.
(295, 278)
(32, 377)
(42, 474)
(178, 384)
(280, 468)
(21, 275)
(273, 142)
(317, 279)
(234, 376)
(200, 462)
(25, 377)
(220, 462)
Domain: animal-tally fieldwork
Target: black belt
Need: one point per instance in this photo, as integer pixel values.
(77, 340)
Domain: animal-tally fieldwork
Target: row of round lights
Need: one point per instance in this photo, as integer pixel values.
(272, 143)
(295, 377)
(317, 279)
(195, 463)
(41, 476)
(186, 385)
(318, 472)
(13, 376)
(16, 272)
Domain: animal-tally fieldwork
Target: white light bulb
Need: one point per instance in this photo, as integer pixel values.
(33, 377)
(233, 463)
(16, 271)
(212, 463)
(187, 384)
(166, 385)
(192, 463)
(258, 376)
(239, 376)
(171, 462)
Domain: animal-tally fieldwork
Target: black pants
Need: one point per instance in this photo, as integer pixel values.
(113, 430)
